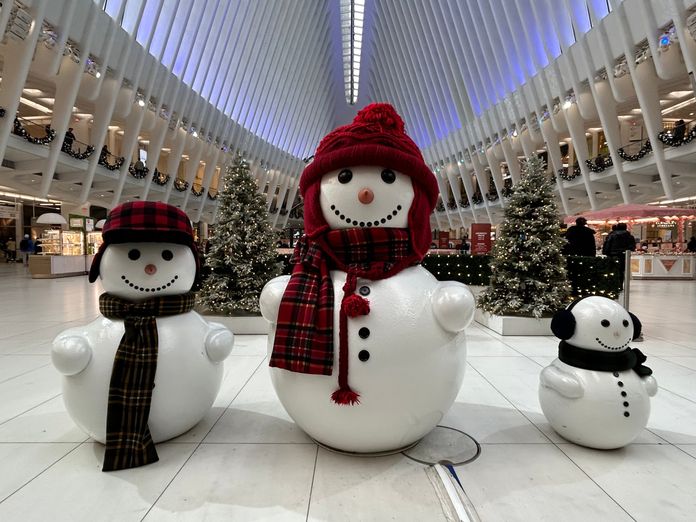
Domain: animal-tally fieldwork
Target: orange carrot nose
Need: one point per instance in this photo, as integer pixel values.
(365, 196)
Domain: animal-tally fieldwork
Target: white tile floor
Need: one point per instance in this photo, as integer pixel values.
(248, 461)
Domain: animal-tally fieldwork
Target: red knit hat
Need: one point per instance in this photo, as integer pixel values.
(145, 222)
(376, 137)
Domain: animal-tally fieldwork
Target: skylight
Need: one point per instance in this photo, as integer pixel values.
(352, 16)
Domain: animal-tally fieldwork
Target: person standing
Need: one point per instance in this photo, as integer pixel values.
(691, 245)
(26, 247)
(618, 242)
(68, 141)
(580, 239)
(11, 250)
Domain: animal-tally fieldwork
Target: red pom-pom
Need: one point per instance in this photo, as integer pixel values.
(354, 305)
(382, 114)
(345, 397)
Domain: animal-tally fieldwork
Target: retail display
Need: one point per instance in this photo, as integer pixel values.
(597, 393)
(94, 241)
(368, 349)
(147, 335)
(528, 270)
(242, 255)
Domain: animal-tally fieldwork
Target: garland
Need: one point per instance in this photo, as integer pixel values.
(491, 196)
(138, 174)
(667, 137)
(79, 155)
(600, 163)
(507, 188)
(111, 166)
(477, 198)
(283, 211)
(212, 197)
(19, 130)
(440, 207)
(567, 175)
(160, 178)
(644, 150)
(196, 192)
(452, 204)
(464, 202)
(180, 184)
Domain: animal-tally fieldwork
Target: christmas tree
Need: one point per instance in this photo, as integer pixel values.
(242, 256)
(528, 271)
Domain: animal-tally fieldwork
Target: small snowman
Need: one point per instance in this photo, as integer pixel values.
(597, 393)
(358, 298)
(149, 368)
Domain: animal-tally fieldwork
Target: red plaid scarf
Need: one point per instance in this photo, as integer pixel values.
(304, 331)
(128, 440)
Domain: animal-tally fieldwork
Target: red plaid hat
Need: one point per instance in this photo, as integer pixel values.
(376, 137)
(145, 222)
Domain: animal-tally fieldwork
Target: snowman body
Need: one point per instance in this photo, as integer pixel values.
(186, 380)
(406, 367)
(190, 350)
(603, 409)
(406, 357)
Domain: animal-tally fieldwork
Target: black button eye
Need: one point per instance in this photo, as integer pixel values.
(605, 323)
(345, 176)
(167, 255)
(388, 176)
(625, 323)
(134, 254)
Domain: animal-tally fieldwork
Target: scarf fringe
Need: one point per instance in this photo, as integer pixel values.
(346, 397)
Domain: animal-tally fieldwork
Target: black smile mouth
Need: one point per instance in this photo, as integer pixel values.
(612, 347)
(374, 223)
(151, 289)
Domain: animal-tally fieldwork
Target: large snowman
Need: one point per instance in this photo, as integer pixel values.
(358, 298)
(149, 368)
(597, 393)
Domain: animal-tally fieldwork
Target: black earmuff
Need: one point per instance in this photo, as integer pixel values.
(637, 326)
(563, 324)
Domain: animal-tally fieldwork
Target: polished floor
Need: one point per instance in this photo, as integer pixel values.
(248, 461)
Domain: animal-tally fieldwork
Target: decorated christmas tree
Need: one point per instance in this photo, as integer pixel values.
(528, 271)
(242, 255)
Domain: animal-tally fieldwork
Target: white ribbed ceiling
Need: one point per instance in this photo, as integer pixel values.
(276, 66)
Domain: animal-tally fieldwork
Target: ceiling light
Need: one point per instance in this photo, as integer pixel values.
(32, 92)
(35, 105)
(679, 94)
(141, 102)
(566, 104)
(97, 75)
(352, 17)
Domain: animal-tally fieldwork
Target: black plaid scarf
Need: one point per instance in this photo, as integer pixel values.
(304, 331)
(628, 359)
(128, 440)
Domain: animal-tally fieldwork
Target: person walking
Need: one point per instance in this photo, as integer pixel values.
(26, 247)
(691, 245)
(11, 250)
(580, 239)
(68, 141)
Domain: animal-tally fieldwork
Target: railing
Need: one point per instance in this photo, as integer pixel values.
(599, 163)
(642, 148)
(33, 132)
(679, 134)
(110, 161)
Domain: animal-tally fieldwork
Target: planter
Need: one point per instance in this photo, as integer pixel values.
(513, 325)
(242, 324)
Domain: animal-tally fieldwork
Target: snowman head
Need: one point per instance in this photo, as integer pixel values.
(596, 323)
(148, 250)
(373, 174)
(137, 271)
(365, 197)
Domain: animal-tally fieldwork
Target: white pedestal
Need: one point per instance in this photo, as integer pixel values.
(513, 325)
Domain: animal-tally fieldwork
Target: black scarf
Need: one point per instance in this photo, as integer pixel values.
(128, 440)
(628, 359)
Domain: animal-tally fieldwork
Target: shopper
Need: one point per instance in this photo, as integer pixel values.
(679, 132)
(68, 141)
(26, 247)
(605, 245)
(139, 168)
(103, 155)
(580, 239)
(618, 242)
(11, 250)
(691, 245)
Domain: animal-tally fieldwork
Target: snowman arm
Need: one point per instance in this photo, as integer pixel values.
(453, 306)
(70, 354)
(650, 385)
(564, 383)
(272, 293)
(218, 342)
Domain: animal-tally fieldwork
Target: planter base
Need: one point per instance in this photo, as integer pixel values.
(513, 325)
(242, 324)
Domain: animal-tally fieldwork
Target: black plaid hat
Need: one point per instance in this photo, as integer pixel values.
(145, 222)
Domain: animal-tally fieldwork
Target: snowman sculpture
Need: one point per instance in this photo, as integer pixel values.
(358, 299)
(597, 393)
(149, 368)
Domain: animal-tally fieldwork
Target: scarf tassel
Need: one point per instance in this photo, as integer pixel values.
(345, 397)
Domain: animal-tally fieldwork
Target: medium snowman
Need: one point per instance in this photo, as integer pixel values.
(597, 393)
(149, 368)
(358, 298)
